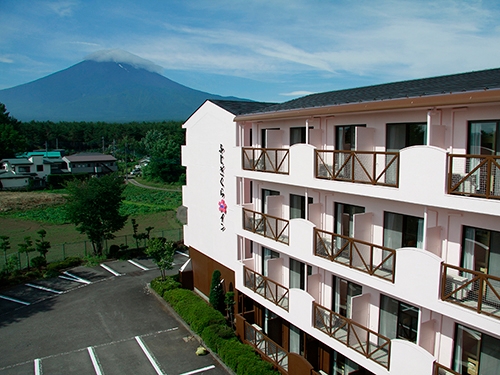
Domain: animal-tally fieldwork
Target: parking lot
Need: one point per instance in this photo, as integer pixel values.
(99, 320)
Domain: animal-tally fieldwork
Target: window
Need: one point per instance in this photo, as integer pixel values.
(267, 193)
(265, 136)
(484, 138)
(298, 206)
(345, 137)
(24, 169)
(297, 274)
(341, 365)
(475, 352)
(297, 135)
(39, 168)
(266, 255)
(272, 326)
(344, 218)
(481, 253)
(403, 231)
(296, 342)
(398, 320)
(343, 291)
(399, 136)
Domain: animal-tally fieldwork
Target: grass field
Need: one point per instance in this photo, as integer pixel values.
(24, 213)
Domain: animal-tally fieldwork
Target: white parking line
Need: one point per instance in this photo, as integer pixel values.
(138, 265)
(38, 366)
(44, 288)
(110, 270)
(199, 370)
(149, 355)
(181, 253)
(14, 300)
(95, 361)
(74, 278)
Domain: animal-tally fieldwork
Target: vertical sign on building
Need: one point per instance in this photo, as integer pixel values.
(222, 202)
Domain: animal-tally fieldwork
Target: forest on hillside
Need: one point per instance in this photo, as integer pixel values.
(161, 141)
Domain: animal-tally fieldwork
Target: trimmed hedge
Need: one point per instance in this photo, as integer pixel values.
(161, 286)
(210, 324)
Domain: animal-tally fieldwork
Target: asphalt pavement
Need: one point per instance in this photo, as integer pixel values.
(102, 320)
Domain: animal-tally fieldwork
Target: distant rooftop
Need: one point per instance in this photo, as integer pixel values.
(449, 84)
(89, 157)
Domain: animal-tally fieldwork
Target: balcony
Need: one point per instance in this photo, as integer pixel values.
(272, 160)
(363, 167)
(474, 176)
(365, 341)
(265, 225)
(266, 347)
(366, 257)
(267, 288)
(471, 289)
(439, 369)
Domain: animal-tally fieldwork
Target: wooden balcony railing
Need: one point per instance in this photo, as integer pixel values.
(364, 256)
(471, 289)
(474, 175)
(371, 344)
(358, 166)
(272, 160)
(439, 369)
(266, 225)
(266, 347)
(267, 288)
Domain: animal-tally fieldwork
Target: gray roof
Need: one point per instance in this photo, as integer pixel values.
(454, 83)
(17, 161)
(89, 157)
(238, 107)
(10, 175)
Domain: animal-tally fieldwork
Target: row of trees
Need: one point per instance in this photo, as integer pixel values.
(26, 247)
(161, 141)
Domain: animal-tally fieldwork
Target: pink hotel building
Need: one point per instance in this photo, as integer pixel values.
(359, 229)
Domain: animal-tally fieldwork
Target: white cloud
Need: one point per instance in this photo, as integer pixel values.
(121, 56)
(63, 8)
(6, 60)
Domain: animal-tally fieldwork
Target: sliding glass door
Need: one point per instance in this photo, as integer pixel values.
(475, 353)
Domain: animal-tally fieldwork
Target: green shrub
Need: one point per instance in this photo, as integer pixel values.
(215, 336)
(38, 262)
(193, 309)
(211, 326)
(94, 260)
(161, 287)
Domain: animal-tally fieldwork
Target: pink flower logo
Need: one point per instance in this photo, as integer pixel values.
(222, 206)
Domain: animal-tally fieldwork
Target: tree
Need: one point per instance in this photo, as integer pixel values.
(162, 252)
(164, 150)
(140, 236)
(229, 302)
(26, 247)
(216, 296)
(5, 246)
(11, 140)
(93, 206)
(41, 245)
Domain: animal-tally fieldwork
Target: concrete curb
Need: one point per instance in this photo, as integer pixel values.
(188, 328)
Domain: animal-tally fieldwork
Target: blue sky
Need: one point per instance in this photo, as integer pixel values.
(271, 50)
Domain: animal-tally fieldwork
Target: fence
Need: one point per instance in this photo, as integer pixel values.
(84, 248)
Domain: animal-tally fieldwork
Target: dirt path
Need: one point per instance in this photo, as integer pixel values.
(134, 182)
